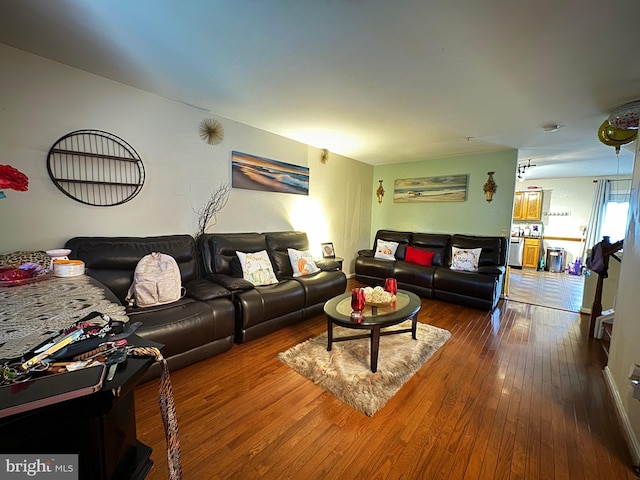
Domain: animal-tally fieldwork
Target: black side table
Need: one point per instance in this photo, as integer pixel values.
(99, 427)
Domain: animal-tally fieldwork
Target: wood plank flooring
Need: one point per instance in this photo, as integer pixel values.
(547, 289)
(517, 393)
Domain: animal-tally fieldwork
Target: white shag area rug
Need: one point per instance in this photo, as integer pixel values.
(345, 371)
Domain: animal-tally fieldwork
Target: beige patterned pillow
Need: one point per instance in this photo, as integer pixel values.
(257, 268)
(18, 258)
(465, 259)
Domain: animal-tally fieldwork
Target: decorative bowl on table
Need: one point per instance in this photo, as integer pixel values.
(13, 276)
(378, 297)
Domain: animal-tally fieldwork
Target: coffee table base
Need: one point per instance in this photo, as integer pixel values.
(375, 332)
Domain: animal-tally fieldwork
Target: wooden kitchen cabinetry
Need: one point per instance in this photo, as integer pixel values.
(527, 205)
(531, 253)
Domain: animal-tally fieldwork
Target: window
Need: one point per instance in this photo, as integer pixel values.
(615, 220)
(616, 208)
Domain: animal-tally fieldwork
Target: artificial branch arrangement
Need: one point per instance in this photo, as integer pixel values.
(207, 214)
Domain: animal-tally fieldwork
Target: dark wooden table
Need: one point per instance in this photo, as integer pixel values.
(374, 319)
(100, 427)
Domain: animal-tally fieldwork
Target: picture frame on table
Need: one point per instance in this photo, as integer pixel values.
(327, 250)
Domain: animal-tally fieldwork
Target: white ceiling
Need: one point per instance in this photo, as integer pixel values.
(379, 81)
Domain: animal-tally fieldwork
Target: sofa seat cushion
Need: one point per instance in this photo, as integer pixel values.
(471, 284)
(373, 267)
(261, 304)
(320, 287)
(185, 324)
(410, 273)
(204, 290)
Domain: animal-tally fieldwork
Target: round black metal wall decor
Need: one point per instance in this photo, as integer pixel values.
(95, 168)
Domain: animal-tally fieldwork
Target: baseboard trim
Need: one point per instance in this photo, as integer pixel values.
(632, 441)
(585, 310)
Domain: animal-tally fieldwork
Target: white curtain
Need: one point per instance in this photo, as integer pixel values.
(597, 213)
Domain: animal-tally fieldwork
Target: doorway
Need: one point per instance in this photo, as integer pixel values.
(547, 289)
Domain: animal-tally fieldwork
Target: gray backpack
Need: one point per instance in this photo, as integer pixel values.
(156, 281)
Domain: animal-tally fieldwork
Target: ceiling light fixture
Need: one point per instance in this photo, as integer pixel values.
(522, 170)
(551, 128)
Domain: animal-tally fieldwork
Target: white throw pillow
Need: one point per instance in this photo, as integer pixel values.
(386, 250)
(465, 259)
(302, 262)
(256, 268)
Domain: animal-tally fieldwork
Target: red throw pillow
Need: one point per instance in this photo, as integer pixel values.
(418, 256)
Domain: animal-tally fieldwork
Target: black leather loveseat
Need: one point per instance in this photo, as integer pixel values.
(263, 309)
(198, 326)
(478, 289)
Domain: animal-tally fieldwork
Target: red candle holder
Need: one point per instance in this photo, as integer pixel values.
(357, 304)
(391, 286)
(357, 299)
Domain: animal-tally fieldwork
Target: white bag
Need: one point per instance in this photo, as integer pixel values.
(156, 281)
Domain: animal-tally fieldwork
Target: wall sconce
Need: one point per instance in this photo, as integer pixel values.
(324, 155)
(380, 192)
(490, 187)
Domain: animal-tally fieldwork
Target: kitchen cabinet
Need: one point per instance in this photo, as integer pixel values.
(531, 252)
(527, 205)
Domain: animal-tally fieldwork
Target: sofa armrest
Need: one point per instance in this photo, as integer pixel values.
(492, 270)
(366, 253)
(203, 290)
(327, 265)
(229, 282)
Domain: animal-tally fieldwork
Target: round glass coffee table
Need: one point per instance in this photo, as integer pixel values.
(374, 318)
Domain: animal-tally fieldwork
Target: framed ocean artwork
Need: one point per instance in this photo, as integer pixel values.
(446, 188)
(257, 173)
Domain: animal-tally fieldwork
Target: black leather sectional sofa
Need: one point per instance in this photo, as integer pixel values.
(212, 314)
(480, 289)
(261, 310)
(198, 326)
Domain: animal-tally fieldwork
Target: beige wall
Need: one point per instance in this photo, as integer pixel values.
(41, 100)
(625, 343)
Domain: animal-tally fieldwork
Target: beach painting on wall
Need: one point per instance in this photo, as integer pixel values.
(446, 188)
(258, 173)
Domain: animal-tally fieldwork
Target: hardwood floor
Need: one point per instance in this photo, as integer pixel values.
(516, 393)
(547, 289)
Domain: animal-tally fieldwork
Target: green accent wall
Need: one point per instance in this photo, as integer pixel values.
(475, 216)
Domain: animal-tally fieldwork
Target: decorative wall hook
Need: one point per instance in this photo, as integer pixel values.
(490, 187)
(380, 192)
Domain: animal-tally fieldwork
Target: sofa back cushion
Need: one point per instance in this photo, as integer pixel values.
(493, 248)
(438, 243)
(219, 251)
(277, 245)
(112, 260)
(401, 238)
